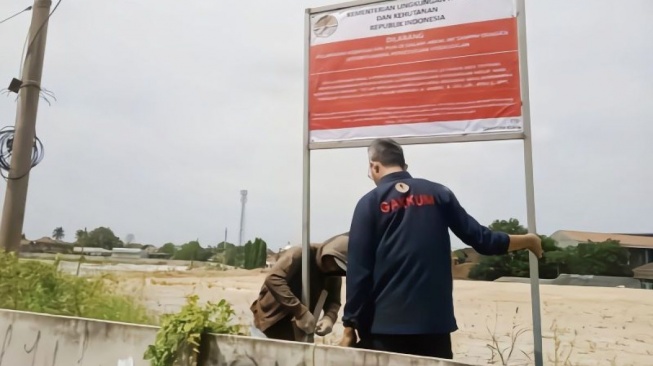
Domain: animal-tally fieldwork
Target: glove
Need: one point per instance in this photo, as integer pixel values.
(306, 321)
(324, 326)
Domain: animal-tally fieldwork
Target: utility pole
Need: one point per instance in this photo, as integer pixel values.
(13, 214)
(243, 201)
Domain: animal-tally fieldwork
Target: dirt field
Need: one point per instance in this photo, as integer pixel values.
(581, 325)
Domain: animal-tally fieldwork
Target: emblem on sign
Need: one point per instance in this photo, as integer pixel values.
(325, 26)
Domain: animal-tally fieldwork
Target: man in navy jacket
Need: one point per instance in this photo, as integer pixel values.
(399, 281)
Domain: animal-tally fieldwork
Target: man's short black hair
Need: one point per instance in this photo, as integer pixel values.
(387, 152)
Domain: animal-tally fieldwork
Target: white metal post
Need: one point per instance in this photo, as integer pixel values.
(306, 179)
(530, 189)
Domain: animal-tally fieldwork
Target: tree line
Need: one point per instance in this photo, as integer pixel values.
(249, 256)
(599, 259)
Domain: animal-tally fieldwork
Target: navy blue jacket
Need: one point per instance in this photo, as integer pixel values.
(399, 277)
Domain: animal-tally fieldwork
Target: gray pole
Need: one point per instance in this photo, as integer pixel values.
(13, 214)
(530, 189)
(306, 180)
(243, 201)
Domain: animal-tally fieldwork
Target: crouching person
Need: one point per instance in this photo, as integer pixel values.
(278, 311)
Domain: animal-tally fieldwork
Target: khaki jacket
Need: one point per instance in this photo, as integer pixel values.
(281, 292)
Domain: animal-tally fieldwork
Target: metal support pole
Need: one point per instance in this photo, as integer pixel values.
(306, 179)
(530, 189)
(13, 214)
(243, 201)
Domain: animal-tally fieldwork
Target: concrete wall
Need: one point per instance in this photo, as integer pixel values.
(223, 350)
(31, 339)
(35, 339)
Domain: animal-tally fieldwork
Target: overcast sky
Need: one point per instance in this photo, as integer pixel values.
(167, 109)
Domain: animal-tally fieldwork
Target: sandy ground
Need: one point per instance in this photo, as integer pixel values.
(581, 325)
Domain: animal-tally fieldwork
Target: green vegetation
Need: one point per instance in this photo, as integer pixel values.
(40, 287)
(249, 256)
(606, 258)
(58, 233)
(255, 254)
(230, 254)
(168, 248)
(193, 251)
(599, 259)
(180, 334)
(102, 237)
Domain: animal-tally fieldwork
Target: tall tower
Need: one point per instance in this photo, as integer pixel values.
(243, 201)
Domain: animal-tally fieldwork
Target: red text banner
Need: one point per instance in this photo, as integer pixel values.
(414, 69)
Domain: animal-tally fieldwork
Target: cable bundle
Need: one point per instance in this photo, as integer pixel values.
(6, 146)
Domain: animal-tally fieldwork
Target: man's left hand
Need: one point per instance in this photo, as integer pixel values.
(535, 245)
(348, 338)
(324, 326)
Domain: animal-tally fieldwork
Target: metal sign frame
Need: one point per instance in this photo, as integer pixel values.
(525, 135)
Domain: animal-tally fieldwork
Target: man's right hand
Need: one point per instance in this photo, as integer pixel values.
(348, 338)
(305, 321)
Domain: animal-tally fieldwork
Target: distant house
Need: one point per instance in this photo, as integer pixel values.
(158, 255)
(460, 271)
(149, 248)
(645, 275)
(281, 250)
(26, 246)
(91, 251)
(45, 245)
(650, 235)
(639, 246)
(469, 255)
(132, 253)
(153, 252)
(271, 260)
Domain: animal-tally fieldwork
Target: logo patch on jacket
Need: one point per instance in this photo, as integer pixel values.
(402, 187)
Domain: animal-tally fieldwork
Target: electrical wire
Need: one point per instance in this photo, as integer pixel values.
(17, 14)
(6, 146)
(25, 53)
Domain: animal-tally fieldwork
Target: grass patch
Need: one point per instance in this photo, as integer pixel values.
(40, 287)
(499, 351)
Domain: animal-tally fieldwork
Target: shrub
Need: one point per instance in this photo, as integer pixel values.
(180, 334)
